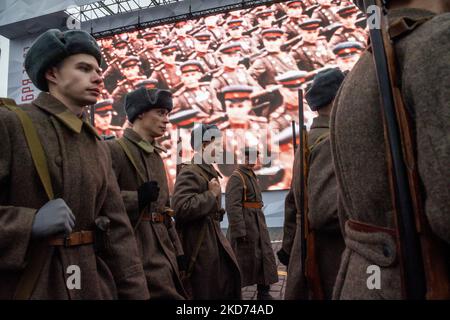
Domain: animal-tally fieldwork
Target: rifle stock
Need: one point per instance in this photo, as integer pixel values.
(308, 252)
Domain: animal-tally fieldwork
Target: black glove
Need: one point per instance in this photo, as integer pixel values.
(148, 192)
(283, 257)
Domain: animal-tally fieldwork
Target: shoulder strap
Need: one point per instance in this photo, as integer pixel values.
(39, 252)
(139, 173)
(322, 137)
(34, 143)
(202, 234)
(130, 157)
(243, 182)
(404, 26)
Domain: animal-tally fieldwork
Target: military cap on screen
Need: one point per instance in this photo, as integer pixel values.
(347, 48)
(191, 66)
(347, 11)
(203, 133)
(104, 107)
(272, 33)
(310, 24)
(179, 23)
(265, 13)
(324, 88)
(203, 36)
(150, 35)
(142, 100)
(147, 83)
(292, 78)
(120, 43)
(237, 92)
(231, 48)
(297, 3)
(130, 62)
(52, 47)
(168, 49)
(235, 23)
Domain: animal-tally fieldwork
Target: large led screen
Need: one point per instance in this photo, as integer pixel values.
(240, 70)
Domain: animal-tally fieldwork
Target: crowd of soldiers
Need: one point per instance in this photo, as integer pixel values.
(273, 49)
(84, 218)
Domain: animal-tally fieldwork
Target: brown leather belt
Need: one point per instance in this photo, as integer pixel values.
(253, 205)
(369, 228)
(154, 217)
(74, 239)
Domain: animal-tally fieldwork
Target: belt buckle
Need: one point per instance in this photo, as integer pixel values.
(155, 217)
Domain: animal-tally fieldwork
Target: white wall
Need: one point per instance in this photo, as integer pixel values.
(4, 60)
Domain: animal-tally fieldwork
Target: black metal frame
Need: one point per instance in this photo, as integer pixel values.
(244, 4)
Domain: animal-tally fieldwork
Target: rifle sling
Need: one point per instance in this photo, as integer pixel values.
(140, 175)
(319, 140)
(202, 233)
(38, 253)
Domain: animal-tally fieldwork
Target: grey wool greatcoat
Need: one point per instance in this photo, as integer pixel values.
(155, 245)
(216, 272)
(255, 254)
(322, 215)
(80, 170)
(359, 154)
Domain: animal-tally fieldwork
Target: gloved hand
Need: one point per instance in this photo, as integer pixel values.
(55, 217)
(214, 187)
(148, 192)
(283, 257)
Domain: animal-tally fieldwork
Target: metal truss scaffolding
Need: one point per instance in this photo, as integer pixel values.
(115, 7)
(105, 8)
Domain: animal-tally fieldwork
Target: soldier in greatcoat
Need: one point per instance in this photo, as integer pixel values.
(322, 200)
(359, 149)
(142, 180)
(213, 271)
(247, 230)
(60, 206)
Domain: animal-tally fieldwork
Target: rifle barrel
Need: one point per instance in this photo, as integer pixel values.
(414, 282)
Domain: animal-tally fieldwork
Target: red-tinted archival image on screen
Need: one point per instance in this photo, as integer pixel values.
(240, 70)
